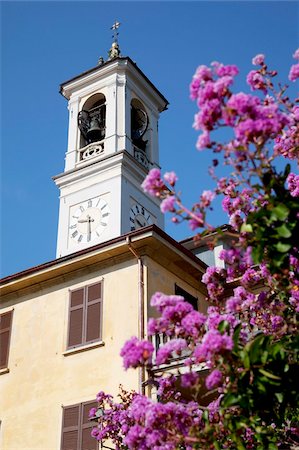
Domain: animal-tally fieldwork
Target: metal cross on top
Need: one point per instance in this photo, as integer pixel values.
(115, 27)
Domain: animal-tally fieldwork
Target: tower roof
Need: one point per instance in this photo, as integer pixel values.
(99, 68)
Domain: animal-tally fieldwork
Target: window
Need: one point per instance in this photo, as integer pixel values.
(76, 427)
(5, 331)
(85, 315)
(188, 297)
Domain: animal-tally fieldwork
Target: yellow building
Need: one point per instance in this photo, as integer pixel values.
(63, 323)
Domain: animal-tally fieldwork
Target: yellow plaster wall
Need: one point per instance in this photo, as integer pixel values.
(41, 378)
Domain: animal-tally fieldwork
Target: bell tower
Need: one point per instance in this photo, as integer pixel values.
(112, 143)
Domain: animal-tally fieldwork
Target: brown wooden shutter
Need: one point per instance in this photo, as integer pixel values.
(5, 331)
(93, 312)
(71, 428)
(87, 442)
(76, 318)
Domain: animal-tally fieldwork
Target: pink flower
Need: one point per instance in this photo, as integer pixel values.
(196, 221)
(166, 351)
(293, 184)
(153, 183)
(136, 352)
(258, 60)
(294, 72)
(92, 412)
(214, 379)
(203, 140)
(189, 379)
(222, 70)
(193, 322)
(256, 81)
(296, 54)
(171, 178)
(212, 343)
(168, 204)
(202, 74)
(277, 322)
(161, 301)
(206, 198)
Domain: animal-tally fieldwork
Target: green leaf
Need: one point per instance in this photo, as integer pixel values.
(223, 326)
(236, 336)
(245, 358)
(246, 228)
(205, 415)
(282, 247)
(279, 397)
(281, 212)
(261, 387)
(255, 348)
(230, 400)
(272, 446)
(287, 170)
(269, 374)
(216, 445)
(283, 231)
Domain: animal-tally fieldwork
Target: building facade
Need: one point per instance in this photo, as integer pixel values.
(63, 323)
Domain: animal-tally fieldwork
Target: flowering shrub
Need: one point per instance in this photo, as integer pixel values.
(248, 339)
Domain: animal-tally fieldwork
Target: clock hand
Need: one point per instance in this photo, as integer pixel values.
(139, 223)
(88, 220)
(89, 227)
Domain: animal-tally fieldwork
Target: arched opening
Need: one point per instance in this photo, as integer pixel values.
(139, 124)
(92, 120)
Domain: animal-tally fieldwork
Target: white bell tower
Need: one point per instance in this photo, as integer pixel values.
(112, 143)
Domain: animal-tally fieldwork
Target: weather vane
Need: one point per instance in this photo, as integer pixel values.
(114, 51)
(114, 28)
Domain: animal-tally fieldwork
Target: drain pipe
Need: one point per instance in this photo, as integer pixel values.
(141, 374)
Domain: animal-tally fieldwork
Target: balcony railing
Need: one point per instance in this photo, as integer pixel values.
(158, 340)
(91, 151)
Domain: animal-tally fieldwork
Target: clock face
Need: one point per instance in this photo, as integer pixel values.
(88, 220)
(139, 217)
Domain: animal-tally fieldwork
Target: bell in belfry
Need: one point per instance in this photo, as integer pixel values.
(95, 131)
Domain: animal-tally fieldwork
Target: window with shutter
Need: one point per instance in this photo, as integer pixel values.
(87, 442)
(85, 315)
(5, 332)
(76, 427)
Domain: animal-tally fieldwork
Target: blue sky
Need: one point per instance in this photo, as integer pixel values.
(46, 43)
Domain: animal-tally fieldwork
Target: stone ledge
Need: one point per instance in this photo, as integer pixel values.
(83, 348)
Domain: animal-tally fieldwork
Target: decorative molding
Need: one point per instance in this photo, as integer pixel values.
(91, 151)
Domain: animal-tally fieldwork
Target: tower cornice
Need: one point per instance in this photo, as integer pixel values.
(104, 70)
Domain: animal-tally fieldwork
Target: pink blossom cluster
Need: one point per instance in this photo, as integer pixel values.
(213, 343)
(294, 71)
(214, 379)
(293, 184)
(153, 183)
(169, 350)
(215, 280)
(136, 353)
(146, 424)
(249, 299)
(178, 318)
(252, 120)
